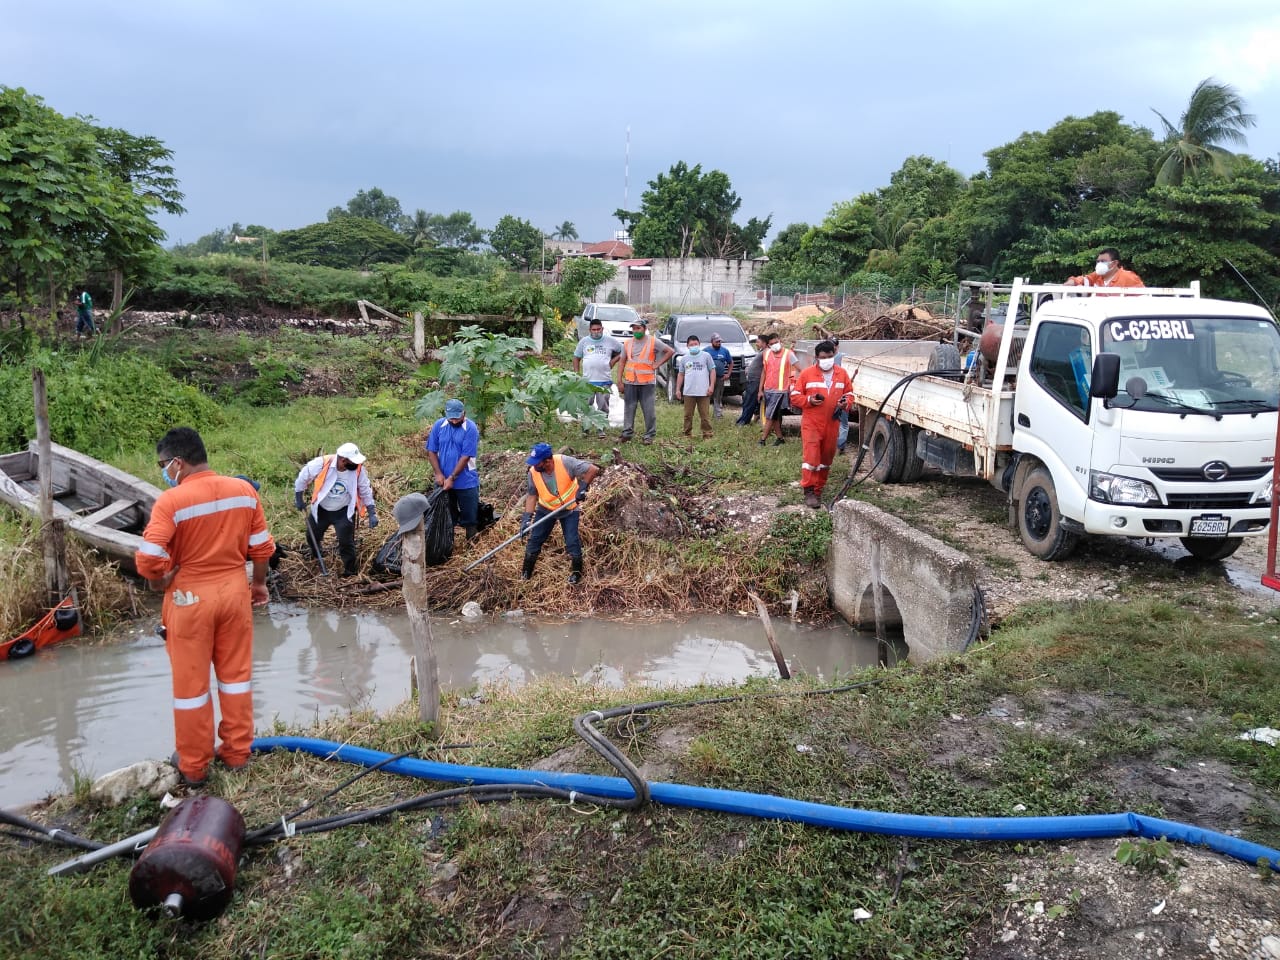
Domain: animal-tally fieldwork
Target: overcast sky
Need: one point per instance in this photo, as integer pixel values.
(277, 111)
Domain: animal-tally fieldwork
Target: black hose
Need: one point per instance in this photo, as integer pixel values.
(50, 833)
(862, 450)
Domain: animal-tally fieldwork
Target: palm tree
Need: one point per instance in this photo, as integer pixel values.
(418, 228)
(566, 231)
(1214, 115)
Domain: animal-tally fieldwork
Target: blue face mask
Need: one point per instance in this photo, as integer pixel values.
(168, 480)
(694, 351)
(597, 336)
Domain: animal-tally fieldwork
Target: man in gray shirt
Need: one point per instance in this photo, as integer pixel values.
(695, 383)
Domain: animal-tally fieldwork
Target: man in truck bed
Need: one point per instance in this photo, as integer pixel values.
(1107, 272)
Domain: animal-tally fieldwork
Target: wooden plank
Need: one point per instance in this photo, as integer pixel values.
(110, 510)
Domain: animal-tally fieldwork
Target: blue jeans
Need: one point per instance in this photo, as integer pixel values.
(84, 321)
(464, 505)
(843, 435)
(750, 404)
(568, 524)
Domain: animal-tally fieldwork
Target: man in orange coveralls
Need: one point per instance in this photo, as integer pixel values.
(200, 534)
(821, 391)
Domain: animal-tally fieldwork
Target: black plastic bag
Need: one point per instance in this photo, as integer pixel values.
(437, 528)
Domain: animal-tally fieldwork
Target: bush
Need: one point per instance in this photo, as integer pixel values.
(99, 404)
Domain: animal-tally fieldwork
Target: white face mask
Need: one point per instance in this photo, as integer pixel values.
(1102, 267)
(775, 347)
(826, 363)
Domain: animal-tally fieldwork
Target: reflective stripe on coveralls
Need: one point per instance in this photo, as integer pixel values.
(565, 484)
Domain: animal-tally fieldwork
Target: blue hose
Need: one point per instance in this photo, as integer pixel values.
(799, 811)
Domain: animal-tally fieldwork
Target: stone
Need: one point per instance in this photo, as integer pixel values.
(472, 610)
(152, 776)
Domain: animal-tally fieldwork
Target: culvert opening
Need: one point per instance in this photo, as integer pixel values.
(886, 623)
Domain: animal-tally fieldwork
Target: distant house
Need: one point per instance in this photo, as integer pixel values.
(568, 248)
(611, 250)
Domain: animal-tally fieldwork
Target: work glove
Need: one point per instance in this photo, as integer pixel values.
(373, 518)
(525, 520)
(582, 495)
(298, 501)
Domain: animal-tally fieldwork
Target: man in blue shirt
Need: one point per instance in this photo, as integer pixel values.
(452, 447)
(724, 366)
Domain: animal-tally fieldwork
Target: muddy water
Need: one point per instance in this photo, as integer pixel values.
(89, 710)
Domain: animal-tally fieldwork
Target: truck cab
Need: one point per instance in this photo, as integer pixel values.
(1151, 416)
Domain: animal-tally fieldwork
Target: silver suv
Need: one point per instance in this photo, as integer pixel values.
(616, 317)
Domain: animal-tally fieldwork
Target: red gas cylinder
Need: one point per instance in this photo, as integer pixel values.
(989, 343)
(189, 868)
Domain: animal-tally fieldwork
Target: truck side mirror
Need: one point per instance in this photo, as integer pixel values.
(1105, 380)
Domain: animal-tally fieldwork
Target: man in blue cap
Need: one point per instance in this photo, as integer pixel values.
(556, 482)
(452, 447)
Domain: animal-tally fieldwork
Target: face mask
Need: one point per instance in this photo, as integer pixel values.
(638, 334)
(694, 351)
(597, 336)
(775, 347)
(168, 480)
(826, 363)
(1102, 267)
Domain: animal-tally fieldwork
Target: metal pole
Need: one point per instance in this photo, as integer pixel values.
(517, 536)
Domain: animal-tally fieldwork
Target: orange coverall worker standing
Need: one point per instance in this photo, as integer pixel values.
(819, 391)
(199, 536)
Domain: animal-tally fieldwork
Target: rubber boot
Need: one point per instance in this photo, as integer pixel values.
(526, 572)
(470, 532)
(575, 569)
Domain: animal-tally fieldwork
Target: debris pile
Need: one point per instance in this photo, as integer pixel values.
(863, 318)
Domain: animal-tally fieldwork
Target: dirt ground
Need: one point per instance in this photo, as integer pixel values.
(1074, 900)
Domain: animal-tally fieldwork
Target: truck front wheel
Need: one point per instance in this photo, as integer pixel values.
(1211, 548)
(1039, 522)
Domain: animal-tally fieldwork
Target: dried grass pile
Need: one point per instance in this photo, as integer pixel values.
(862, 318)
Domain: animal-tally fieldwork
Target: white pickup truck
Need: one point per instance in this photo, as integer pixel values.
(1142, 413)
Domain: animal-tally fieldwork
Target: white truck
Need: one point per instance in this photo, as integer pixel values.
(1137, 413)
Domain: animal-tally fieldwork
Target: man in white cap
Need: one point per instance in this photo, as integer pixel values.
(339, 489)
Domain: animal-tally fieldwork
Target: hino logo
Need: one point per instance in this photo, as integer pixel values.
(1157, 460)
(1215, 470)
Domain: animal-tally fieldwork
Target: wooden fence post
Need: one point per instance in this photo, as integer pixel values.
(53, 534)
(419, 336)
(413, 550)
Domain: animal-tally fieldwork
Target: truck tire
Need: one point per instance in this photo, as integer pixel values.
(1039, 522)
(1211, 548)
(671, 387)
(912, 463)
(886, 449)
(945, 356)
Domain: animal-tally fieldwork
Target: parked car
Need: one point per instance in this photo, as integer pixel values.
(680, 326)
(616, 317)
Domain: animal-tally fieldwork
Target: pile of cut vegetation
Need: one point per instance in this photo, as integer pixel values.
(862, 319)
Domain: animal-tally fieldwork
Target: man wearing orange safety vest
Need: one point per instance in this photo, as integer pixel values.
(821, 391)
(195, 546)
(642, 355)
(339, 489)
(779, 373)
(556, 482)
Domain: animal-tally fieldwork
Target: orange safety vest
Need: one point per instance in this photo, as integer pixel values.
(319, 484)
(786, 371)
(639, 369)
(565, 484)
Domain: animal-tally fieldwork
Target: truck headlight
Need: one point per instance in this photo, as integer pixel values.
(1264, 495)
(1109, 488)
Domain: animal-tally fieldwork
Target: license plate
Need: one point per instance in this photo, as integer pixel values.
(1209, 525)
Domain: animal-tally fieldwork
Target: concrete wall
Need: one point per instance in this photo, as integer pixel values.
(925, 585)
(693, 283)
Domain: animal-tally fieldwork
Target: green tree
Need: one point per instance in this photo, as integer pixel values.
(1214, 116)
(686, 213)
(579, 278)
(566, 231)
(350, 242)
(457, 230)
(517, 241)
(69, 202)
(373, 204)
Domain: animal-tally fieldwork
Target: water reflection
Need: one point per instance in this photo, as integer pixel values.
(91, 709)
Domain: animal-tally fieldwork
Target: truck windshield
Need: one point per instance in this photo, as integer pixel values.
(703, 327)
(1219, 364)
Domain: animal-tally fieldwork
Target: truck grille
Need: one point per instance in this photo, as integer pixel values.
(1209, 501)
(1195, 474)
